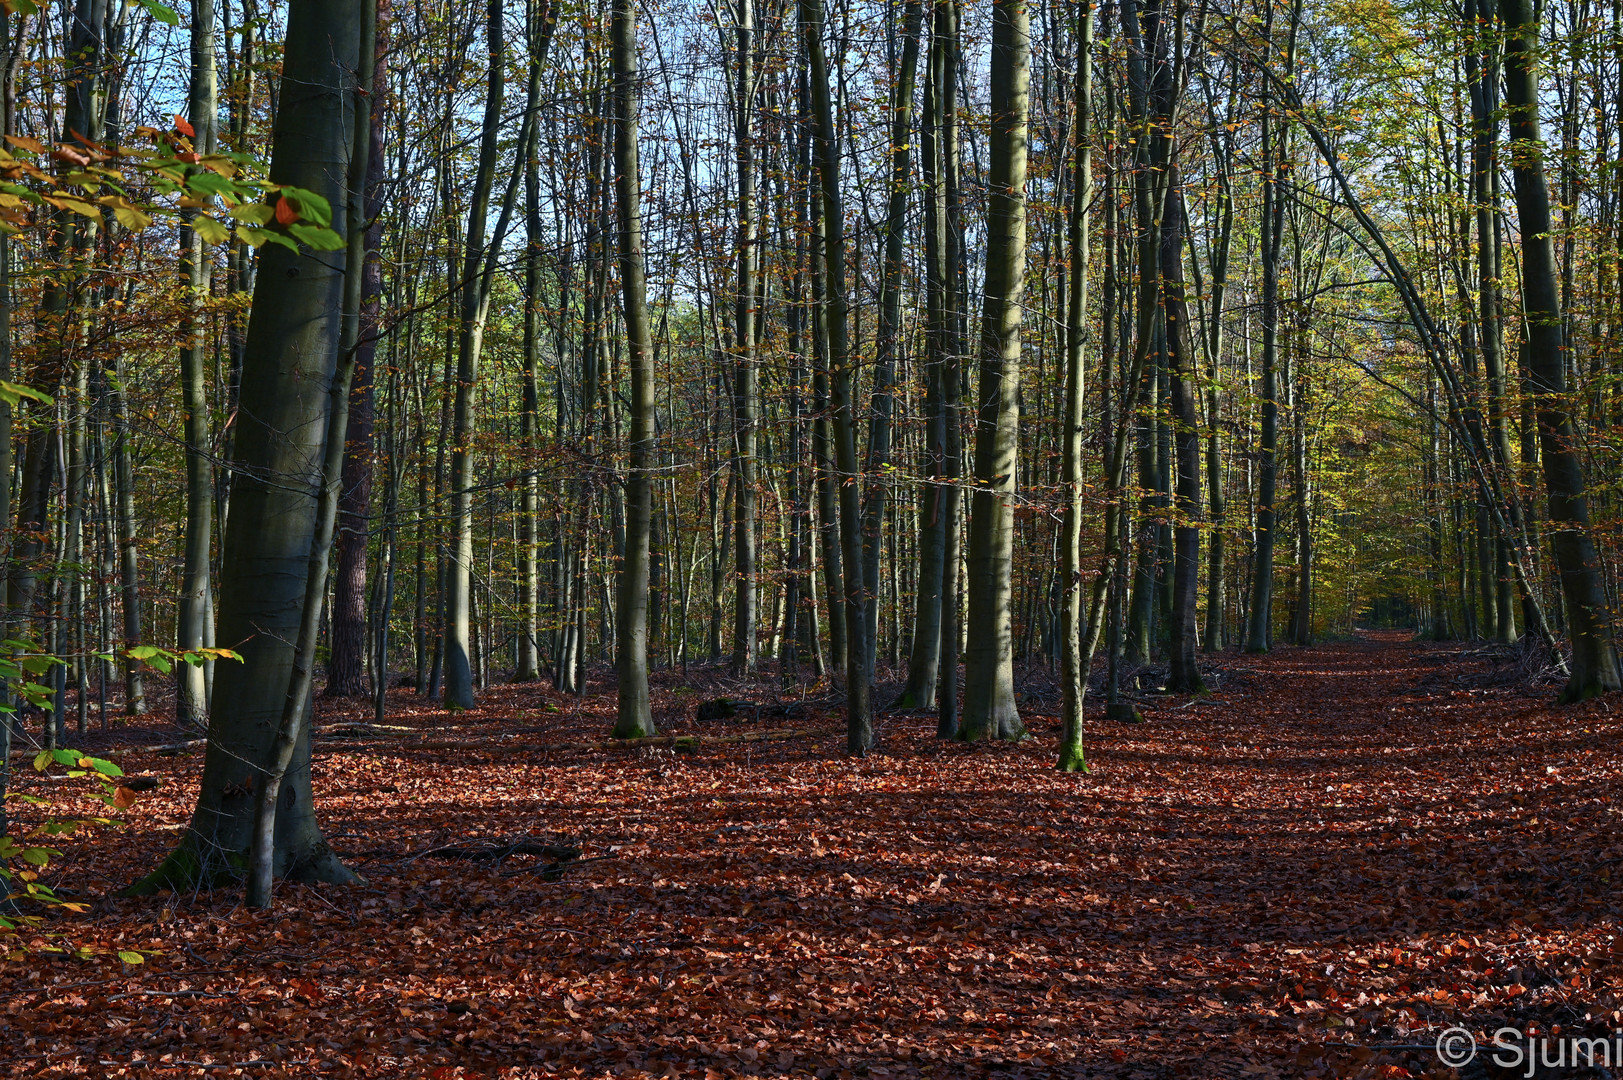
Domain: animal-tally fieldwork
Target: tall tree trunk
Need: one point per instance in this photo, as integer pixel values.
(346, 668)
(472, 302)
(924, 663)
(1074, 651)
(539, 13)
(289, 367)
(1259, 631)
(835, 317)
(11, 52)
(1594, 659)
(635, 719)
(989, 705)
(825, 479)
(191, 704)
(1183, 668)
(746, 399)
(889, 337)
(949, 16)
(1213, 342)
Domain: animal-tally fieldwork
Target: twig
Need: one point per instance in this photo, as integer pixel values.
(498, 850)
(677, 741)
(558, 868)
(172, 993)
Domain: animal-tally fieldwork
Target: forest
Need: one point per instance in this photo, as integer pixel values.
(810, 538)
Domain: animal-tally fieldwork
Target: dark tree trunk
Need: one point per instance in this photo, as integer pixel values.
(290, 360)
(346, 667)
(1594, 659)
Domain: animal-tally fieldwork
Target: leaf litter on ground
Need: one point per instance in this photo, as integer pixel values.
(1359, 848)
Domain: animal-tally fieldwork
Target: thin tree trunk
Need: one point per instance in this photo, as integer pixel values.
(635, 720)
(835, 315)
(888, 339)
(1073, 649)
(191, 696)
(346, 668)
(746, 402)
(1259, 632)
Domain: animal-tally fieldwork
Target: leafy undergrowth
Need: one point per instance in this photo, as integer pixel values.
(1311, 872)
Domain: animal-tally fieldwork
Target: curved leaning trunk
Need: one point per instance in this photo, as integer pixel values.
(288, 364)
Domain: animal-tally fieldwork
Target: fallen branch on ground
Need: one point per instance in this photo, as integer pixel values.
(679, 742)
(499, 849)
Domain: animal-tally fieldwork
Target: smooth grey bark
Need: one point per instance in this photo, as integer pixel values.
(1183, 669)
(191, 691)
(296, 703)
(1150, 151)
(1482, 75)
(635, 719)
(1594, 665)
(746, 394)
(835, 317)
(924, 661)
(346, 664)
(888, 339)
(290, 364)
(948, 19)
(1074, 652)
(826, 479)
(540, 18)
(989, 706)
(129, 554)
(1212, 341)
(11, 52)
(1259, 630)
(473, 296)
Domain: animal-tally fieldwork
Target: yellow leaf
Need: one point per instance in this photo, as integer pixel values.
(211, 230)
(74, 206)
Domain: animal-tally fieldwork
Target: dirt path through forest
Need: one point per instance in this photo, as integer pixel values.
(1352, 844)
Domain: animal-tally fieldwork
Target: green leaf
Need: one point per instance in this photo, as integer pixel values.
(256, 237)
(37, 664)
(103, 766)
(158, 11)
(131, 218)
(321, 239)
(253, 213)
(311, 207)
(12, 393)
(131, 957)
(143, 652)
(207, 183)
(37, 856)
(65, 757)
(42, 760)
(22, 7)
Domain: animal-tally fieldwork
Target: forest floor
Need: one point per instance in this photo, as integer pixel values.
(1338, 854)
